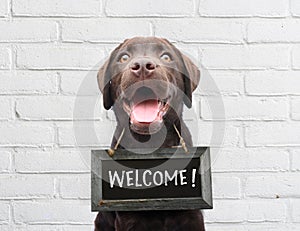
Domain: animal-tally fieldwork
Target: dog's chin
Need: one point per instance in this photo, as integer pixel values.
(146, 111)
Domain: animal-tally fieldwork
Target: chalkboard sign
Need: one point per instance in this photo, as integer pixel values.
(166, 179)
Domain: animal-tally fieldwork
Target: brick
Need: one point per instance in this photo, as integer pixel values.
(86, 134)
(4, 212)
(100, 30)
(45, 212)
(15, 187)
(215, 134)
(244, 8)
(221, 82)
(27, 82)
(135, 8)
(295, 8)
(194, 30)
(75, 187)
(58, 108)
(295, 108)
(43, 8)
(79, 83)
(262, 83)
(25, 135)
(5, 161)
(246, 57)
(249, 159)
(246, 108)
(4, 227)
(227, 211)
(57, 161)
(267, 211)
(6, 108)
(27, 31)
(296, 58)
(4, 58)
(271, 186)
(274, 31)
(58, 57)
(3, 8)
(53, 227)
(295, 203)
(295, 160)
(226, 187)
(273, 134)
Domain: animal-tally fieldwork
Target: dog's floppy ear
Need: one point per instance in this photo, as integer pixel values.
(104, 79)
(191, 78)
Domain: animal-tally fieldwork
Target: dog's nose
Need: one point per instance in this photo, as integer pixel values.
(143, 68)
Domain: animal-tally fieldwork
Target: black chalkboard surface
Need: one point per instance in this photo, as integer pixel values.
(166, 179)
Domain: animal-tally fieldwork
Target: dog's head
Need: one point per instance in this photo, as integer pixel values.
(145, 80)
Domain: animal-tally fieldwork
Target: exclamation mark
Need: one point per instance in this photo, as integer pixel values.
(194, 177)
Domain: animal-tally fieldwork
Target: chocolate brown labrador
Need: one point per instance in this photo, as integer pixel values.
(146, 81)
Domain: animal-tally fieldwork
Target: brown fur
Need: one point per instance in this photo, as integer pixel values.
(114, 79)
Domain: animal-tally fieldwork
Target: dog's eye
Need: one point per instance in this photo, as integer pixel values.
(166, 58)
(124, 58)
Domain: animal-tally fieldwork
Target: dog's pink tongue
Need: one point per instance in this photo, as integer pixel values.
(146, 111)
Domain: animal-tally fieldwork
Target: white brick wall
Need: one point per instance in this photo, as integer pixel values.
(49, 55)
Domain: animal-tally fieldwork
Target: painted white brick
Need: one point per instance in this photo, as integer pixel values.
(295, 160)
(249, 159)
(27, 82)
(267, 211)
(54, 212)
(227, 211)
(246, 57)
(3, 8)
(25, 135)
(217, 134)
(295, 203)
(296, 57)
(221, 82)
(56, 8)
(167, 8)
(75, 187)
(93, 133)
(200, 30)
(4, 227)
(271, 186)
(4, 212)
(244, 8)
(27, 31)
(53, 227)
(6, 108)
(5, 161)
(79, 83)
(4, 58)
(295, 109)
(273, 134)
(65, 161)
(58, 57)
(262, 83)
(295, 8)
(274, 31)
(226, 187)
(100, 30)
(246, 108)
(58, 108)
(13, 187)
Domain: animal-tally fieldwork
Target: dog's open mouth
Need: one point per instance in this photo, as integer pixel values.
(146, 111)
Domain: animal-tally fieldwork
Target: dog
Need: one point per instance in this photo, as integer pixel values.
(147, 81)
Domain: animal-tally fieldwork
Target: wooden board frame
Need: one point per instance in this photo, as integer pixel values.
(203, 202)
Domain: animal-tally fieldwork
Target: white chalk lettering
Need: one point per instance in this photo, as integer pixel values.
(137, 184)
(182, 177)
(144, 178)
(129, 179)
(169, 178)
(115, 177)
(160, 177)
